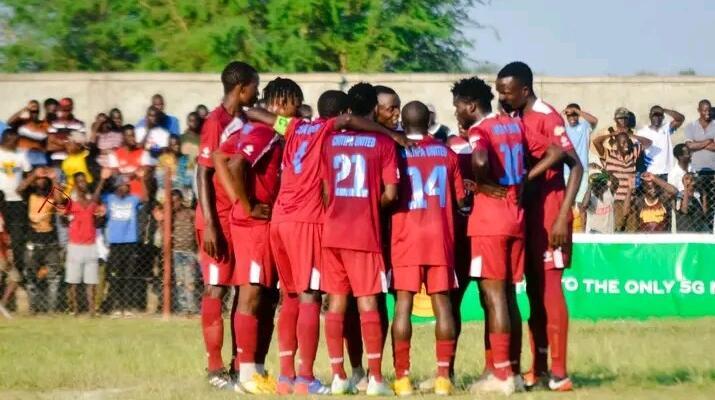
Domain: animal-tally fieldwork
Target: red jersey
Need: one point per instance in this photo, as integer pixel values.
(82, 229)
(356, 166)
(217, 128)
(260, 146)
(507, 144)
(543, 120)
(463, 149)
(300, 197)
(422, 226)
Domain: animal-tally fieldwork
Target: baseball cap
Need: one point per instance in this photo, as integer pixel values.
(66, 104)
(621, 112)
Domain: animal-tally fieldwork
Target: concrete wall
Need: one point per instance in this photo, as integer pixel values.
(96, 92)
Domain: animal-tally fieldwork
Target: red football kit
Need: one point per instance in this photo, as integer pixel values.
(217, 128)
(543, 209)
(260, 146)
(356, 166)
(496, 226)
(462, 250)
(422, 226)
(297, 219)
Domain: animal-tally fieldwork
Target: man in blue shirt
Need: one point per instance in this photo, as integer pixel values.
(579, 125)
(123, 238)
(168, 122)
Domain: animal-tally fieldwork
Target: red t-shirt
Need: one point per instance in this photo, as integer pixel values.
(507, 145)
(545, 121)
(422, 226)
(127, 162)
(82, 229)
(217, 128)
(260, 146)
(356, 166)
(300, 197)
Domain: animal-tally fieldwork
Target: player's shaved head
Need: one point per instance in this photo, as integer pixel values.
(332, 103)
(362, 98)
(415, 117)
(237, 73)
(519, 71)
(380, 89)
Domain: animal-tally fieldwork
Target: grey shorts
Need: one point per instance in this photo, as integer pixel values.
(81, 264)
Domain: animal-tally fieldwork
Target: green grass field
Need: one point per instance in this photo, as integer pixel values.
(76, 358)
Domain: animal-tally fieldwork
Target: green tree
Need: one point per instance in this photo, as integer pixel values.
(273, 35)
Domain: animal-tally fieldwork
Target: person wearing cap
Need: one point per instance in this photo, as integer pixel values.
(164, 120)
(579, 126)
(437, 130)
(61, 128)
(659, 156)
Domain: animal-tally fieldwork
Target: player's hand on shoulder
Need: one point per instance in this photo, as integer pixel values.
(261, 211)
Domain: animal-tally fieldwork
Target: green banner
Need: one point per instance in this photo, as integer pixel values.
(631, 276)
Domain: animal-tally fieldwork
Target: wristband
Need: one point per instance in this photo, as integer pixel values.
(281, 125)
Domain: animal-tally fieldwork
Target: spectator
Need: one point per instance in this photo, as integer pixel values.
(306, 112)
(659, 156)
(168, 122)
(13, 164)
(621, 163)
(82, 261)
(598, 203)
(105, 138)
(183, 246)
(579, 126)
(42, 255)
(691, 215)
(190, 138)
(681, 167)
(182, 168)
(7, 264)
(700, 139)
(151, 135)
(115, 116)
(76, 161)
(50, 105)
(652, 203)
(61, 128)
(203, 111)
(123, 239)
(132, 162)
(437, 130)
(32, 131)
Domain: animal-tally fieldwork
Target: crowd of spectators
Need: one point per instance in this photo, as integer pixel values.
(83, 204)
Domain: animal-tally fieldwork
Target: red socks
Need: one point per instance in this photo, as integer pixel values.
(287, 340)
(445, 353)
(334, 338)
(401, 360)
(308, 333)
(557, 322)
(247, 331)
(372, 336)
(212, 326)
(500, 351)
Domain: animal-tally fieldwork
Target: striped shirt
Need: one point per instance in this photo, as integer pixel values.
(623, 167)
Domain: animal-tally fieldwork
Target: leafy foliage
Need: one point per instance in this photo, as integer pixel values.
(273, 35)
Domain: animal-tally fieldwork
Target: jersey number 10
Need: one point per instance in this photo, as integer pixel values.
(436, 185)
(513, 164)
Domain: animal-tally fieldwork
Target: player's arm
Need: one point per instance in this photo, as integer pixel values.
(224, 174)
(389, 195)
(236, 173)
(460, 193)
(552, 156)
(559, 231)
(677, 117)
(480, 167)
(349, 121)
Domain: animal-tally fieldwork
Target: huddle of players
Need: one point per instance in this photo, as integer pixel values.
(307, 203)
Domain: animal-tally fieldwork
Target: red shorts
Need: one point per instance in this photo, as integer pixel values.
(360, 273)
(436, 278)
(498, 258)
(252, 251)
(216, 272)
(296, 249)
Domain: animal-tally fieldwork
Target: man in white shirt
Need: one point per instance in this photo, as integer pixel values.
(681, 167)
(659, 156)
(152, 136)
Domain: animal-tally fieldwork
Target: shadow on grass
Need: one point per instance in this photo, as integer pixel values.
(675, 377)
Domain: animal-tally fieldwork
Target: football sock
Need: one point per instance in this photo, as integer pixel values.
(334, 338)
(537, 327)
(372, 336)
(212, 326)
(353, 338)
(500, 351)
(557, 322)
(247, 329)
(308, 337)
(488, 360)
(401, 349)
(444, 350)
(287, 340)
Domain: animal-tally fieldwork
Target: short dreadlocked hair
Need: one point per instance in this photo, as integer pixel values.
(362, 98)
(474, 90)
(282, 90)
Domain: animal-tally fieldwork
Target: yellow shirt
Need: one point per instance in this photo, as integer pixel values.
(73, 164)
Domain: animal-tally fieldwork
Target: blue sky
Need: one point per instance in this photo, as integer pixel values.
(598, 37)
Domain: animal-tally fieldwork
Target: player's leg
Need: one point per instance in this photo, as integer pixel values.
(488, 358)
(537, 316)
(308, 334)
(515, 274)
(266, 324)
(557, 329)
(288, 313)
(246, 325)
(401, 337)
(353, 342)
(445, 345)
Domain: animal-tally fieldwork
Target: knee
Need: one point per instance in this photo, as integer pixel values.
(367, 303)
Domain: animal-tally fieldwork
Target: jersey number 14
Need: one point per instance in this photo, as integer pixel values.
(436, 185)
